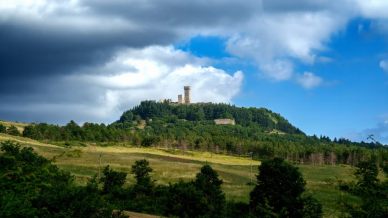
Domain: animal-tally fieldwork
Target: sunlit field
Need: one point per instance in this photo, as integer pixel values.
(170, 166)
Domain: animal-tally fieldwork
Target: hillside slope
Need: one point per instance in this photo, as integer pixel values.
(257, 132)
(171, 165)
(262, 118)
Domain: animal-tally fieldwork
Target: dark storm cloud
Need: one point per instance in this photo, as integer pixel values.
(37, 49)
(41, 46)
(38, 52)
(30, 48)
(177, 12)
(31, 51)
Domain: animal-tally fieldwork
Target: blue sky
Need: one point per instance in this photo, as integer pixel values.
(321, 64)
(352, 100)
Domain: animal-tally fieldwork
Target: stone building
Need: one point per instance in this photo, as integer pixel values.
(187, 94)
(224, 122)
(180, 100)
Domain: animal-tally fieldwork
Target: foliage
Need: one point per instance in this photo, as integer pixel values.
(30, 186)
(278, 192)
(209, 184)
(237, 209)
(209, 111)
(372, 192)
(112, 180)
(12, 130)
(185, 200)
(260, 131)
(141, 171)
(3, 129)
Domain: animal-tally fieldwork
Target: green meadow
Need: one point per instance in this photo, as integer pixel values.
(170, 166)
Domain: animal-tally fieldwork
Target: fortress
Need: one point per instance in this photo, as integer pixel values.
(182, 99)
(186, 99)
(187, 94)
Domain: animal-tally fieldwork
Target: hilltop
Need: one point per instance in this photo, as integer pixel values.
(262, 118)
(258, 132)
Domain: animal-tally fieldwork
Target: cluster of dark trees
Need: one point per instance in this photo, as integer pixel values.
(372, 192)
(31, 186)
(258, 131)
(12, 130)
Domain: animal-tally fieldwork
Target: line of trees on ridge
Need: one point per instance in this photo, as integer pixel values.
(260, 131)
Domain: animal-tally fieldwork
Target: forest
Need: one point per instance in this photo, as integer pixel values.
(258, 132)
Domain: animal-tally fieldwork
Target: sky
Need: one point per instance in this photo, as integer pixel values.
(321, 64)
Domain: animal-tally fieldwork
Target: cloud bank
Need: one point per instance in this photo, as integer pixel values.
(88, 59)
(102, 93)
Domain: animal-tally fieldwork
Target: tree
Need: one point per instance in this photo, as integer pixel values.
(185, 200)
(3, 129)
(209, 184)
(373, 193)
(112, 180)
(12, 130)
(31, 186)
(126, 117)
(366, 175)
(278, 192)
(142, 170)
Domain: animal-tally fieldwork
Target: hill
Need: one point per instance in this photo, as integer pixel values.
(261, 118)
(178, 139)
(257, 131)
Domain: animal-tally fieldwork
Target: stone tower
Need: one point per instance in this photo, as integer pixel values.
(180, 100)
(187, 94)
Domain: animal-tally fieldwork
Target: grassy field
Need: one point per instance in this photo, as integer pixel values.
(19, 126)
(173, 165)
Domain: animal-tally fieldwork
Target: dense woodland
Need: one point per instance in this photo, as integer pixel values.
(258, 132)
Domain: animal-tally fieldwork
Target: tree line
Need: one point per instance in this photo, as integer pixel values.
(258, 131)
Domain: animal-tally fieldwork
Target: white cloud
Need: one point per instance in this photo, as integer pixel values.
(278, 69)
(373, 8)
(275, 40)
(308, 80)
(155, 73)
(384, 65)
(274, 34)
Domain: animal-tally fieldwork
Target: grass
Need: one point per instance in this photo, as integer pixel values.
(321, 183)
(173, 165)
(19, 126)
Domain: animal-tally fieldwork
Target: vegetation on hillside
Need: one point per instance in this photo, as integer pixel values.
(31, 186)
(372, 192)
(259, 132)
(279, 190)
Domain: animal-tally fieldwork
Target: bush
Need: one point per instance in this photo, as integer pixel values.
(31, 186)
(279, 190)
(112, 180)
(12, 130)
(3, 129)
(209, 184)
